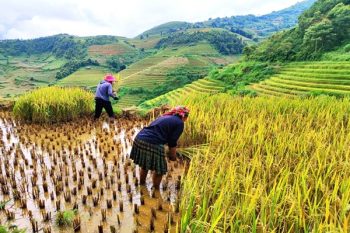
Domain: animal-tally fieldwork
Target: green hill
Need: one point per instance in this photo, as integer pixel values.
(148, 42)
(205, 85)
(311, 59)
(101, 53)
(324, 27)
(248, 26)
(87, 77)
(19, 74)
(223, 41)
(166, 28)
(166, 70)
(259, 27)
(307, 78)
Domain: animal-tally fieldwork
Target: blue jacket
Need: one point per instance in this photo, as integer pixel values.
(104, 91)
(164, 130)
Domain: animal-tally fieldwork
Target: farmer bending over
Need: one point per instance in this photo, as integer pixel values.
(103, 92)
(148, 147)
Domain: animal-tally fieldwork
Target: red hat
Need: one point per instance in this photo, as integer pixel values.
(109, 78)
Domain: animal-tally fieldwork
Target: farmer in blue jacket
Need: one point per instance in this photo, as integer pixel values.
(103, 92)
(148, 147)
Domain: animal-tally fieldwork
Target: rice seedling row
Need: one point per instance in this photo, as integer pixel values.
(265, 89)
(314, 79)
(326, 77)
(76, 177)
(311, 84)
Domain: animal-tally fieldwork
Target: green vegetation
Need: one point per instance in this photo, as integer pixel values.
(146, 43)
(308, 79)
(237, 76)
(72, 66)
(24, 73)
(119, 62)
(167, 70)
(340, 54)
(65, 218)
(248, 26)
(165, 28)
(259, 27)
(53, 104)
(62, 46)
(87, 77)
(205, 86)
(3, 203)
(225, 42)
(102, 53)
(322, 28)
(11, 229)
(266, 165)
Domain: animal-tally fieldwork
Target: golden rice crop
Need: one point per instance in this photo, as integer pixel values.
(54, 104)
(269, 165)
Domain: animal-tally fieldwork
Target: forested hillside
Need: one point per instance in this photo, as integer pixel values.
(249, 26)
(322, 28)
(223, 41)
(62, 46)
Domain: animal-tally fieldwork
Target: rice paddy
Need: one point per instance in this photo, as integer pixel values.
(54, 104)
(21, 74)
(304, 78)
(101, 53)
(76, 177)
(87, 77)
(201, 86)
(266, 164)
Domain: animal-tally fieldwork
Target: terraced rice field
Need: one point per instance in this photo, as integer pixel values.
(128, 101)
(160, 63)
(154, 74)
(303, 78)
(200, 86)
(22, 74)
(147, 43)
(109, 49)
(102, 52)
(84, 78)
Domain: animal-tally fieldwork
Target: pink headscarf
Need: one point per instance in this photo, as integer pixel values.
(181, 111)
(109, 78)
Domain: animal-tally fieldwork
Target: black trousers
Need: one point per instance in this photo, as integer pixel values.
(102, 104)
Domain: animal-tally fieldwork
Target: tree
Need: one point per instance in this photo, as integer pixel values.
(320, 36)
(340, 17)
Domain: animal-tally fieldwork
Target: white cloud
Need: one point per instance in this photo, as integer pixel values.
(34, 18)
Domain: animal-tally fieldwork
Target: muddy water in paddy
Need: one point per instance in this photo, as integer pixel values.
(85, 166)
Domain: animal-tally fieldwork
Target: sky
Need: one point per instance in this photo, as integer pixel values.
(24, 19)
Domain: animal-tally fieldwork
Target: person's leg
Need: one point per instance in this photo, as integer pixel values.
(143, 175)
(98, 108)
(156, 180)
(109, 109)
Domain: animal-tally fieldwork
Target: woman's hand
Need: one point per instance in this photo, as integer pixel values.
(172, 154)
